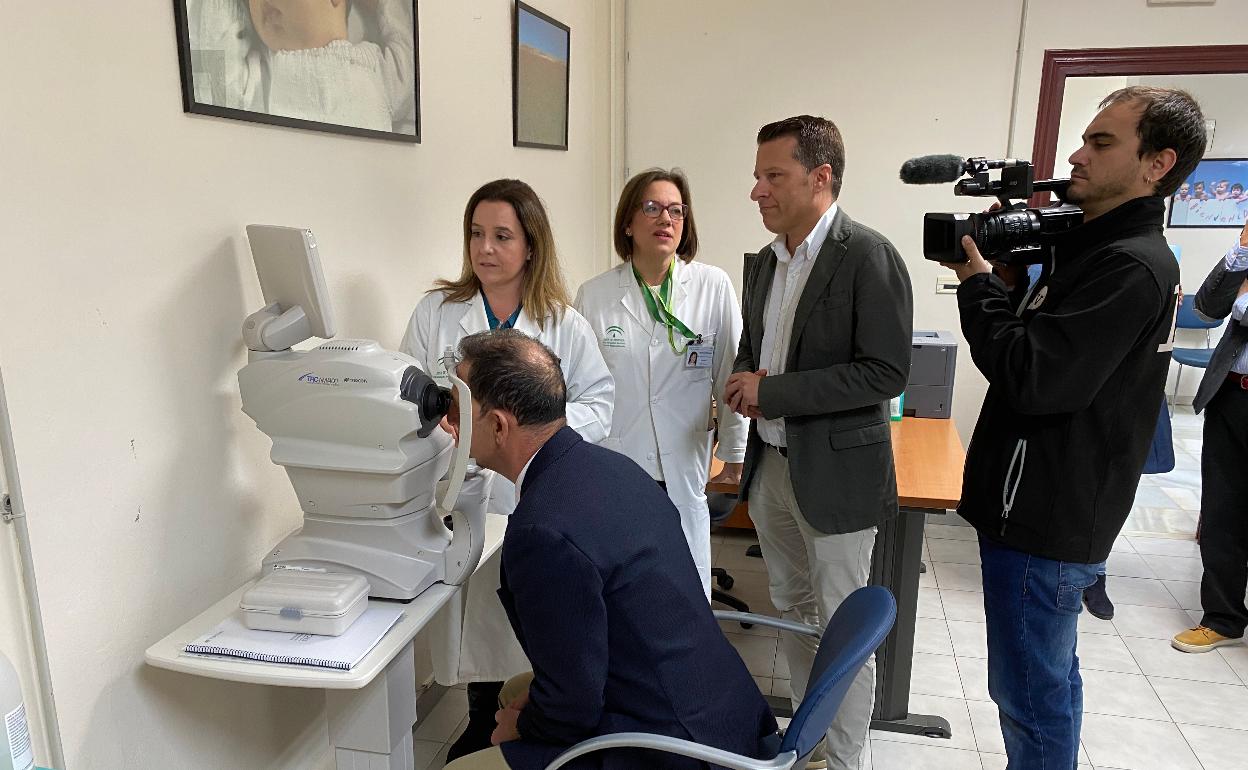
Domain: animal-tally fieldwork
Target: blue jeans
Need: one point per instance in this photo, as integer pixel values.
(1032, 608)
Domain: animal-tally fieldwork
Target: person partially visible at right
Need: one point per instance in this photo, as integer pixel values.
(1223, 396)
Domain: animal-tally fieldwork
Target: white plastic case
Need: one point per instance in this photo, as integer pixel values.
(324, 603)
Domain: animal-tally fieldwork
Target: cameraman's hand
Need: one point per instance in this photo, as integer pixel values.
(974, 264)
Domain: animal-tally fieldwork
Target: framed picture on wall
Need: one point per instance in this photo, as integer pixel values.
(539, 78)
(332, 65)
(1215, 195)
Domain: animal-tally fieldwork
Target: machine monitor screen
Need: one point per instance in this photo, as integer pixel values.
(289, 269)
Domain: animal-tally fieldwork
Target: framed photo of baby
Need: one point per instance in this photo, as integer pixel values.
(346, 66)
(1214, 195)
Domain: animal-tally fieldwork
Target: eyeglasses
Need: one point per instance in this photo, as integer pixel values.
(676, 211)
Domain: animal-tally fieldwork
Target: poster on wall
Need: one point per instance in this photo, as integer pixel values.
(345, 66)
(539, 78)
(1215, 195)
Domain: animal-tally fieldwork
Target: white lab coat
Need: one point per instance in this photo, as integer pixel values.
(474, 641)
(663, 408)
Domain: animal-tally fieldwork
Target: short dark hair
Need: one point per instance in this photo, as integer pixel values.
(818, 142)
(630, 200)
(509, 370)
(1172, 119)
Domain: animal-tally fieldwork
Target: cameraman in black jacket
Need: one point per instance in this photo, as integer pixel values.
(1075, 371)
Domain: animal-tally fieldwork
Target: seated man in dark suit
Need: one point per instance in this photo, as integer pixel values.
(599, 586)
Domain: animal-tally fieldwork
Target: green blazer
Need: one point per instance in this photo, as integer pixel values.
(849, 353)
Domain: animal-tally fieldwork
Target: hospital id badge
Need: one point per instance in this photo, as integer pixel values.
(699, 353)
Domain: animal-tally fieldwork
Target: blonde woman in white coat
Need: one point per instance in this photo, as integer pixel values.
(510, 279)
(670, 351)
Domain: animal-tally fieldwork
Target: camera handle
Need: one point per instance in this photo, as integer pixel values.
(1056, 186)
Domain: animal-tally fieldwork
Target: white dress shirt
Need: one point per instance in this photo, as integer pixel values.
(786, 290)
(524, 470)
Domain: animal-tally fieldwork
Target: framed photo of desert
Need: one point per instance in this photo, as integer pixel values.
(338, 66)
(539, 74)
(1214, 195)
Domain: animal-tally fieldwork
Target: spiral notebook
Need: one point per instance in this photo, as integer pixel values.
(232, 639)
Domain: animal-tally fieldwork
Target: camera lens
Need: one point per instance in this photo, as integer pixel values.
(942, 236)
(1000, 231)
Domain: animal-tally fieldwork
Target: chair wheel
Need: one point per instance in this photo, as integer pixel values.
(747, 625)
(725, 582)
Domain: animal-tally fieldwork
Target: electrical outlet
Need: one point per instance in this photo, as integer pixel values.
(947, 284)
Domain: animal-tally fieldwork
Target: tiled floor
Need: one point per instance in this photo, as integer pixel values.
(1147, 705)
(1168, 504)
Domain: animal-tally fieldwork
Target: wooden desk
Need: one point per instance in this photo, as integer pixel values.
(928, 456)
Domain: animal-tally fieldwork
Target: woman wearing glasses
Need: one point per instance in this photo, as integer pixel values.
(510, 278)
(668, 328)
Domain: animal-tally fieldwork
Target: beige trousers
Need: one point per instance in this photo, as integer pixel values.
(492, 758)
(810, 574)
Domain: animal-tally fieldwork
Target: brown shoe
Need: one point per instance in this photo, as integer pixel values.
(1200, 639)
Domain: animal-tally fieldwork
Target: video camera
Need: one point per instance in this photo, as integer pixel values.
(1013, 234)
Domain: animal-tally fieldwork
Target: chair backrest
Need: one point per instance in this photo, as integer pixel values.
(1187, 318)
(857, 628)
(721, 505)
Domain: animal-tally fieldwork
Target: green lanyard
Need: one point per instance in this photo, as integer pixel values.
(660, 304)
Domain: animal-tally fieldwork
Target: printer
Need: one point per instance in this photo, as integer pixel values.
(929, 393)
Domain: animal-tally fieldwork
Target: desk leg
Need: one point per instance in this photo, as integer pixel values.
(371, 728)
(898, 556)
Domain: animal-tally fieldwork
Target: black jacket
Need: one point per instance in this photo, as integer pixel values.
(1073, 386)
(1215, 301)
(604, 597)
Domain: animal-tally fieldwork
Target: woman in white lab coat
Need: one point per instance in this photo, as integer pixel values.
(668, 327)
(510, 279)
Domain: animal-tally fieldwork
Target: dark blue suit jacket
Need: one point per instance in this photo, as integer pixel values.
(604, 597)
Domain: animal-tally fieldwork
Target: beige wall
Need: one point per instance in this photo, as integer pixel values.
(899, 78)
(125, 278)
(889, 74)
(124, 275)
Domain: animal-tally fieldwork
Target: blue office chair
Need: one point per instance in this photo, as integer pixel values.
(857, 628)
(1197, 357)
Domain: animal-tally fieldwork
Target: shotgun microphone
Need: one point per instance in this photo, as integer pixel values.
(933, 169)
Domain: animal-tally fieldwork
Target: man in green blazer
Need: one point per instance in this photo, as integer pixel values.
(826, 343)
